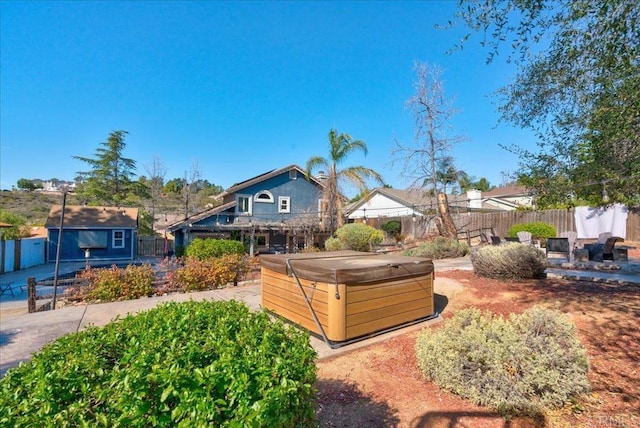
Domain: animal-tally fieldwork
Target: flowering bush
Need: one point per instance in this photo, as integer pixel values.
(214, 272)
(357, 237)
(109, 284)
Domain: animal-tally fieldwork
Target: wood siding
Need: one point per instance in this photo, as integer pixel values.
(358, 311)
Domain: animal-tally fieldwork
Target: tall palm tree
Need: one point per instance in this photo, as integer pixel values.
(340, 146)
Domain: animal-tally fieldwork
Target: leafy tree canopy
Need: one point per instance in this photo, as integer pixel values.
(577, 87)
(17, 229)
(26, 184)
(341, 145)
(110, 180)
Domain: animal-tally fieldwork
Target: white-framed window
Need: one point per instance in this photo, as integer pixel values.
(264, 196)
(244, 204)
(284, 204)
(118, 239)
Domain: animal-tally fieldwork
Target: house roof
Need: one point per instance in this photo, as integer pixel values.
(92, 217)
(263, 177)
(507, 191)
(413, 198)
(201, 215)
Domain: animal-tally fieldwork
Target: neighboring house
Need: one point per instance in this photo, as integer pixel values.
(507, 198)
(163, 221)
(416, 210)
(413, 208)
(278, 211)
(93, 233)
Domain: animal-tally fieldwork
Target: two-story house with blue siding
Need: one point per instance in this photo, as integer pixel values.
(92, 233)
(275, 212)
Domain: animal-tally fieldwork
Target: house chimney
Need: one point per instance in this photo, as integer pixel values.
(322, 176)
(474, 199)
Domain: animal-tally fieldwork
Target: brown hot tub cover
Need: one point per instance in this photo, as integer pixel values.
(348, 267)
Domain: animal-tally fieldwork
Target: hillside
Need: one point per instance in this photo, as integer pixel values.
(35, 206)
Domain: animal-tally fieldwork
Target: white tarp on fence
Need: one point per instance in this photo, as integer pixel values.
(590, 222)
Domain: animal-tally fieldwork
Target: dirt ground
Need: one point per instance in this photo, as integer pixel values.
(382, 386)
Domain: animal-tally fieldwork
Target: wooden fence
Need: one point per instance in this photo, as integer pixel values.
(155, 246)
(562, 220)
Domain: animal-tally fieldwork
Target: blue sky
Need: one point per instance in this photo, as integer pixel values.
(234, 88)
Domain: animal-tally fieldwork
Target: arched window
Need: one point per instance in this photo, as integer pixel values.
(263, 196)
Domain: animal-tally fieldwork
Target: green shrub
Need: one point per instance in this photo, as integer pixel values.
(196, 274)
(538, 230)
(203, 249)
(110, 284)
(519, 366)
(180, 364)
(333, 244)
(358, 237)
(439, 248)
(512, 261)
(393, 228)
(179, 250)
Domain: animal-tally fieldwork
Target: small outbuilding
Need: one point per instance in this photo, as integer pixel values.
(92, 233)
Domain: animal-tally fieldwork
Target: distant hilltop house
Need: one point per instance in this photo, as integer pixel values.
(278, 211)
(92, 233)
(56, 186)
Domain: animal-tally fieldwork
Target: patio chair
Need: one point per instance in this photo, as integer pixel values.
(495, 240)
(572, 237)
(602, 237)
(524, 237)
(559, 245)
(609, 245)
(5, 287)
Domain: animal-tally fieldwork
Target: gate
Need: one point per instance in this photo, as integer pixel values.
(155, 246)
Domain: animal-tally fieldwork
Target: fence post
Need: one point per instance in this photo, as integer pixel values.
(31, 294)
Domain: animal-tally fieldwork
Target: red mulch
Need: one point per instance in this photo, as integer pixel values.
(381, 385)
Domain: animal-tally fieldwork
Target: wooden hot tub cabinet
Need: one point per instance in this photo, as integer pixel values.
(344, 295)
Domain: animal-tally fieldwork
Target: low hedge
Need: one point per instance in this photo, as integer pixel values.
(512, 261)
(521, 365)
(439, 248)
(539, 230)
(203, 249)
(180, 364)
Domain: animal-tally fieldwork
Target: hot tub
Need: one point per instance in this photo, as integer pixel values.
(347, 295)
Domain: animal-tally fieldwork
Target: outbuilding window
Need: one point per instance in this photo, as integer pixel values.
(118, 239)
